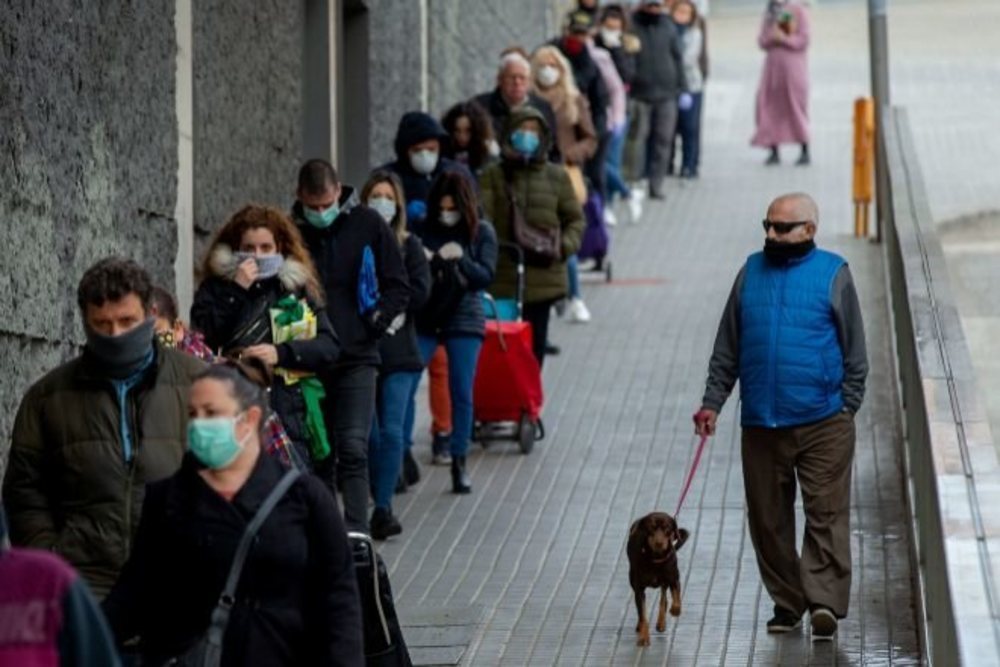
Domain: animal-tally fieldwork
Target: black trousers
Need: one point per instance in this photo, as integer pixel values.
(537, 314)
(349, 410)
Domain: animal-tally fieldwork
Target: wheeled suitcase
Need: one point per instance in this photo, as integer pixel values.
(384, 643)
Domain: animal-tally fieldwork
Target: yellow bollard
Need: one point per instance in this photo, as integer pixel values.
(864, 162)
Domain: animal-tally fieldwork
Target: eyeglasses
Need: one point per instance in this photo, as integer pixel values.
(782, 227)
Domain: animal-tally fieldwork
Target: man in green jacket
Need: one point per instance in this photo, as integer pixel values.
(90, 434)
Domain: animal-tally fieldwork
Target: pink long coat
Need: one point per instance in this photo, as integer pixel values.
(783, 95)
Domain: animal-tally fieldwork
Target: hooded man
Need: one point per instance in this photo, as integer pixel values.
(418, 161)
(93, 432)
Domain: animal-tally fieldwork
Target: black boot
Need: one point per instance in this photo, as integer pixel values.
(440, 445)
(411, 471)
(773, 158)
(384, 524)
(804, 156)
(460, 482)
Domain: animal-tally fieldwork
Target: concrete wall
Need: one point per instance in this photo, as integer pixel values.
(247, 107)
(88, 160)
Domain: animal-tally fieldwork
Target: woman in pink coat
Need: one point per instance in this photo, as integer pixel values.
(783, 95)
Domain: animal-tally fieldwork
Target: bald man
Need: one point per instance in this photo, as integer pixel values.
(792, 334)
(513, 92)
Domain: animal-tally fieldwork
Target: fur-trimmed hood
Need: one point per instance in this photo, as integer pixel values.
(293, 274)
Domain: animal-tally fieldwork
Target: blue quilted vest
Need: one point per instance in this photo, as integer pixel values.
(791, 365)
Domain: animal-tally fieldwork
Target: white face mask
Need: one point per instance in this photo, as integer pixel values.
(450, 218)
(384, 207)
(548, 76)
(612, 38)
(424, 161)
(493, 148)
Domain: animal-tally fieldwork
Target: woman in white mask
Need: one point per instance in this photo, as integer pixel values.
(575, 136)
(462, 249)
(260, 298)
(401, 363)
(296, 601)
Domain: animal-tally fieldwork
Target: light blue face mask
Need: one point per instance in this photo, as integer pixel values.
(213, 441)
(268, 266)
(525, 142)
(321, 219)
(384, 207)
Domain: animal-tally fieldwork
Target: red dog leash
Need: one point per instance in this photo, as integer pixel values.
(690, 475)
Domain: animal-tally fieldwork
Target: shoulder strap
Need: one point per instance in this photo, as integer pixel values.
(220, 615)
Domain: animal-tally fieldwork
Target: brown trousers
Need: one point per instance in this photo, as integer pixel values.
(820, 456)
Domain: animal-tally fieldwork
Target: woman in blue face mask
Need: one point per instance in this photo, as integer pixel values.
(544, 198)
(296, 602)
(260, 299)
(401, 363)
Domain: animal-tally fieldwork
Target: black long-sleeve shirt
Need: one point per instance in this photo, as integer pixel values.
(724, 365)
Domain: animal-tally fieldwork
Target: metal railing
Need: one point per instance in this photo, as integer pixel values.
(951, 461)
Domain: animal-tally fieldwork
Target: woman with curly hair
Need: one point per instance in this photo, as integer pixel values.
(470, 133)
(260, 297)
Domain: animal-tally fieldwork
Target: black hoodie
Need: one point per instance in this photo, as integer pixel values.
(337, 251)
(414, 128)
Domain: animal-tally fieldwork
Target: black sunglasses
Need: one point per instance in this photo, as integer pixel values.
(782, 227)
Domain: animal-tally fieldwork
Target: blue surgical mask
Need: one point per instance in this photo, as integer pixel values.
(525, 142)
(321, 219)
(213, 441)
(268, 266)
(384, 207)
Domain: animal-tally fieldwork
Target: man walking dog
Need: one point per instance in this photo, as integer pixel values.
(792, 334)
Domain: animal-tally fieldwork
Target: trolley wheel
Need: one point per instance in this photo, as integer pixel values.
(526, 434)
(608, 275)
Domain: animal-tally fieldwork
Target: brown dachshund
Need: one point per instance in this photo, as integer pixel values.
(653, 542)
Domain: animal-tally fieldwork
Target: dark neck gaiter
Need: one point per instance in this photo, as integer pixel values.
(782, 253)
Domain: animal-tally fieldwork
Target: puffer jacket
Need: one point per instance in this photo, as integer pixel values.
(221, 308)
(68, 486)
(659, 68)
(477, 266)
(545, 195)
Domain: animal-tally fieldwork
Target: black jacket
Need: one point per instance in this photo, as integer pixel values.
(297, 601)
(659, 66)
(590, 82)
(499, 112)
(624, 59)
(477, 266)
(337, 252)
(400, 352)
(414, 128)
(221, 308)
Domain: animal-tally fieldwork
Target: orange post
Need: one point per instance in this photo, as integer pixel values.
(864, 162)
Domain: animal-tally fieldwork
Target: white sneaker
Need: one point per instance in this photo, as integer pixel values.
(635, 208)
(610, 219)
(577, 311)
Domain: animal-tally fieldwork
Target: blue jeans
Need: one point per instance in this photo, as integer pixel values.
(689, 129)
(573, 276)
(463, 355)
(613, 164)
(388, 436)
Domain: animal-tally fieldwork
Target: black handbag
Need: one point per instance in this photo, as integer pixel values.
(254, 330)
(207, 651)
(542, 246)
(384, 643)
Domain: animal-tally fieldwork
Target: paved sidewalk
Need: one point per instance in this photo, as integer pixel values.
(530, 569)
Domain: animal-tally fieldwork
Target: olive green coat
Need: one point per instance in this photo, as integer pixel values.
(546, 198)
(68, 487)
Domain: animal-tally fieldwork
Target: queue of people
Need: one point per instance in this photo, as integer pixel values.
(148, 460)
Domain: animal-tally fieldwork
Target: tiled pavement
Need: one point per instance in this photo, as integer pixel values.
(530, 568)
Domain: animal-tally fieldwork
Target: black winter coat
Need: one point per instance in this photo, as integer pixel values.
(477, 266)
(499, 112)
(590, 82)
(337, 252)
(400, 352)
(297, 601)
(623, 59)
(221, 308)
